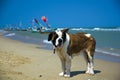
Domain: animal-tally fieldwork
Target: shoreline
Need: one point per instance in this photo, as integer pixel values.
(98, 55)
(22, 61)
(107, 57)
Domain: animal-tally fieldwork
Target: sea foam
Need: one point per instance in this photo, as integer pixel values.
(10, 34)
(47, 42)
(96, 29)
(106, 52)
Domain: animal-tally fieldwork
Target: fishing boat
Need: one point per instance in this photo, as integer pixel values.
(34, 29)
(42, 28)
(46, 30)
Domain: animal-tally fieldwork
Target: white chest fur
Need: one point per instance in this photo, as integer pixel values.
(63, 51)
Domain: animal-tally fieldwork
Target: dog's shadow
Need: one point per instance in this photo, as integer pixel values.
(74, 73)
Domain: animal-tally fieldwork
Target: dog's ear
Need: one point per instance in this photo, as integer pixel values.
(50, 36)
(65, 30)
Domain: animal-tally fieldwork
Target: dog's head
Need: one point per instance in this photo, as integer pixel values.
(58, 37)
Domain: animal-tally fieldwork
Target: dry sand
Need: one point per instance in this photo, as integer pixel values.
(21, 61)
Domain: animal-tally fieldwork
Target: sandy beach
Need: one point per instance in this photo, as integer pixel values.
(22, 61)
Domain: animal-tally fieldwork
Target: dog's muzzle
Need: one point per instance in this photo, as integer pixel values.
(60, 42)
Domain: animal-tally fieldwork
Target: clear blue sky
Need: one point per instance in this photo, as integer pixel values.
(75, 13)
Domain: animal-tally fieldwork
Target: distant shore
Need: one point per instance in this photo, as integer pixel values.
(22, 61)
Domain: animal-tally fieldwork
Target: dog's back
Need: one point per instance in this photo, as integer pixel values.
(80, 42)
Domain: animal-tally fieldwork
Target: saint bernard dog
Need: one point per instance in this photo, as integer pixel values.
(67, 45)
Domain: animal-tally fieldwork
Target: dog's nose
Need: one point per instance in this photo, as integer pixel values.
(60, 40)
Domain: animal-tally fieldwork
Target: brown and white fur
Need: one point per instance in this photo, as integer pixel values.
(67, 45)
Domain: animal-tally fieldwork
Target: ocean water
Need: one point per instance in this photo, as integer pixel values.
(107, 40)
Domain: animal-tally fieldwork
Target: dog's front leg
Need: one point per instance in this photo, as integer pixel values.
(68, 67)
(63, 67)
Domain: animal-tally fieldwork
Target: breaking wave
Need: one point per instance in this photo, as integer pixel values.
(96, 29)
(10, 34)
(106, 52)
(47, 42)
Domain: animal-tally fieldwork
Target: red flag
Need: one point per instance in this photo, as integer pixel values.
(44, 18)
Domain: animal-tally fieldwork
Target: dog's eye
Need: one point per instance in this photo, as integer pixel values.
(64, 36)
(56, 36)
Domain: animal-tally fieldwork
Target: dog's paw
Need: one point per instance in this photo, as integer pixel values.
(87, 72)
(67, 75)
(61, 74)
(91, 72)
